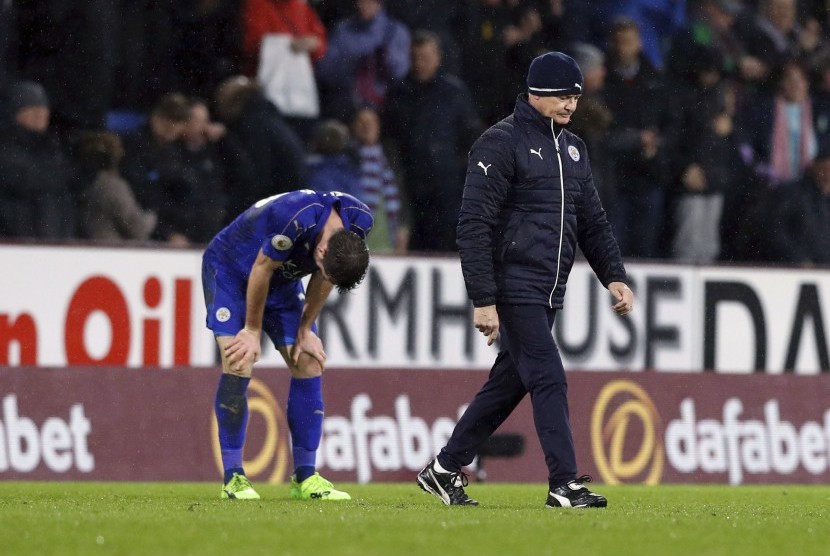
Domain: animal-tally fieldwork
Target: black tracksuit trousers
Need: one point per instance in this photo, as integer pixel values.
(529, 361)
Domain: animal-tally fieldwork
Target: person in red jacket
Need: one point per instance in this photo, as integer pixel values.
(291, 17)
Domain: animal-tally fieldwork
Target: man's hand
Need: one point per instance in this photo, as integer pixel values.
(308, 342)
(308, 43)
(243, 350)
(486, 320)
(624, 297)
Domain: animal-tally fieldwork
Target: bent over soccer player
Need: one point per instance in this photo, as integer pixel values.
(251, 275)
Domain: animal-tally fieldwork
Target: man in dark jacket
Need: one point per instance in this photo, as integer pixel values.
(634, 93)
(529, 202)
(431, 120)
(35, 198)
(275, 152)
(152, 161)
(798, 223)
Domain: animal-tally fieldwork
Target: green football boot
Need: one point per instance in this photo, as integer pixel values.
(239, 488)
(316, 488)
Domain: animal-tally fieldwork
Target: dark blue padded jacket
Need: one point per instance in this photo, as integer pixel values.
(529, 201)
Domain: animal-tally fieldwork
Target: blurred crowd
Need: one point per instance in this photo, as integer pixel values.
(707, 121)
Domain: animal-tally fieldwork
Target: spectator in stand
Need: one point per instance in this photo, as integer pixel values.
(299, 21)
(107, 209)
(35, 199)
(713, 24)
(213, 154)
(525, 39)
(657, 20)
(152, 159)
(775, 35)
(333, 165)
(635, 94)
(431, 119)
(289, 17)
(275, 153)
(194, 208)
(437, 16)
(206, 44)
(378, 184)
(367, 53)
(485, 54)
(800, 217)
(592, 122)
(778, 130)
(68, 47)
(707, 167)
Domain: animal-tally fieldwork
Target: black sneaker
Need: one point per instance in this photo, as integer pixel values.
(575, 495)
(449, 487)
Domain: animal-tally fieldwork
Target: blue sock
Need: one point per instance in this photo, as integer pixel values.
(305, 420)
(231, 407)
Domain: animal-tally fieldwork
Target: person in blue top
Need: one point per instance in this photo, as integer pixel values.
(251, 276)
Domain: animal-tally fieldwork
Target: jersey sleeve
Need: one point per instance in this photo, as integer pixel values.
(357, 216)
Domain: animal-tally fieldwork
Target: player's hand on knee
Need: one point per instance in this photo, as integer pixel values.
(309, 343)
(244, 350)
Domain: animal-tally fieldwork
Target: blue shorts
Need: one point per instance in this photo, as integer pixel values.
(225, 301)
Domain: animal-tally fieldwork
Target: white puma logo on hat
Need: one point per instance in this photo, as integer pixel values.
(578, 86)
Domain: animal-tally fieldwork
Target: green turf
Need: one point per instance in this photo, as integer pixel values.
(170, 518)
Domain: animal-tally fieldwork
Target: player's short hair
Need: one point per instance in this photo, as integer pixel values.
(346, 260)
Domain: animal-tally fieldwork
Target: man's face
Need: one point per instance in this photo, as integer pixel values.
(781, 14)
(627, 46)
(719, 18)
(559, 109)
(368, 9)
(166, 131)
(594, 80)
(426, 59)
(196, 127)
(366, 127)
(33, 118)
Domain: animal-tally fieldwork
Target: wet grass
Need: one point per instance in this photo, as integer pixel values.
(171, 518)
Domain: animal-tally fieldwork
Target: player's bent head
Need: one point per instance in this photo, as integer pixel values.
(346, 260)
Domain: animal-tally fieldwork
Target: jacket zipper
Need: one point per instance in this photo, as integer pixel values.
(561, 212)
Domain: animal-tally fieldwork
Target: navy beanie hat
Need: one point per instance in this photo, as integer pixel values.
(554, 75)
(26, 93)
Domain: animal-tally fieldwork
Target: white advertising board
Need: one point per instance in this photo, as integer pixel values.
(143, 307)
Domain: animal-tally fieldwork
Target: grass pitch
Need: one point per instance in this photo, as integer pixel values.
(179, 519)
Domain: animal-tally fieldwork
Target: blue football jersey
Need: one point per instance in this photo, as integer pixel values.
(286, 227)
